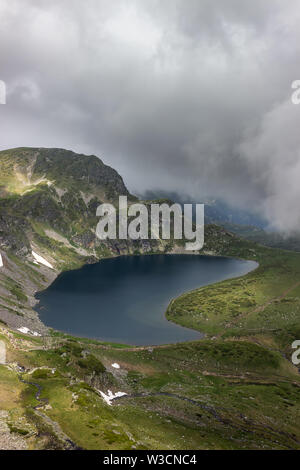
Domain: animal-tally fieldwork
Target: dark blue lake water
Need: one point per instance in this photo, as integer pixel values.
(124, 299)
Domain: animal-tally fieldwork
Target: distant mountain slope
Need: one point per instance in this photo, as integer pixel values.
(258, 235)
(242, 223)
(216, 211)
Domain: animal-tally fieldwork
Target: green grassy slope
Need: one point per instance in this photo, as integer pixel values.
(236, 389)
(263, 304)
(207, 395)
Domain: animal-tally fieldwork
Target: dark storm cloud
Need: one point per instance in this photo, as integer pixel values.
(183, 95)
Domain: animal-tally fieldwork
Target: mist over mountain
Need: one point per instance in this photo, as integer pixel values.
(216, 211)
(245, 224)
(193, 97)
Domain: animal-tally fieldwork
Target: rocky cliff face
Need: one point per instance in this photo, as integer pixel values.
(49, 199)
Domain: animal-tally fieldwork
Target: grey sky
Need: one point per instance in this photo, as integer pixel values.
(187, 95)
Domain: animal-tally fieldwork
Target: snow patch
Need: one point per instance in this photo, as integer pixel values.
(111, 396)
(115, 365)
(24, 329)
(1, 261)
(27, 331)
(41, 260)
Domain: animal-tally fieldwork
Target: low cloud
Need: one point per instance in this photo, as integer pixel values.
(186, 96)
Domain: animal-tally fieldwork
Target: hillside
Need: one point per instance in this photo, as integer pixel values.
(242, 223)
(236, 389)
(263, 237)
(217, 211)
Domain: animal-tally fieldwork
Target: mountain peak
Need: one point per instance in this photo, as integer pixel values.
(24, 167)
